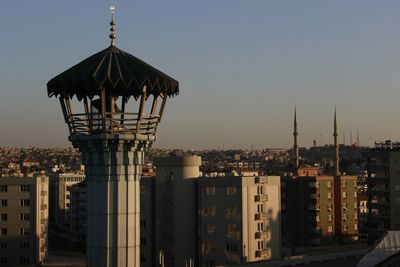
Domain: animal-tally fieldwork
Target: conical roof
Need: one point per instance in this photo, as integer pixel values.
(118, 72)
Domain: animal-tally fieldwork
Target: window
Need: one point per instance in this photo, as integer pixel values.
(231, 190)
(24, 260)
(143, 189)
(3, 202)
(355, 227)
(330, 229)
(209, 247)
(3, 231)
(24, 245)
(355, 183)
(330, 217)
(330, 206)
(231, 228)
(3, 188)
(329, 184)
(230, 210)
(344, 217)
(345, 227)
(23, 231)
(329, 194)
(355, 205)
(24, 188)
(231, 247)
(344, 205)
(24, 202)
(3, 246)
(317, 218)
(210, 190)
(344, 183)
(3, 260)
(210, 228)
(3, 217)
(209, 210)
(355, 194)
(344, 194)
(24, 217)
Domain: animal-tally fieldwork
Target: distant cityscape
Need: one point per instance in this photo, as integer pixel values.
(212, 207)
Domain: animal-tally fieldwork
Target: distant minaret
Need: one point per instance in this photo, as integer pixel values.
(295, 144)
(358, 139)
(351, 138)
(335, 136)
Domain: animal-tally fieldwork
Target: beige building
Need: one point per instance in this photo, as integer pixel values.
(176, 209)
(239, 219)
(23, 220)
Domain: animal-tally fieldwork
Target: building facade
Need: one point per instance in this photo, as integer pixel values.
(319, 209)
(239, 219)
(23, 220)
(383, 191)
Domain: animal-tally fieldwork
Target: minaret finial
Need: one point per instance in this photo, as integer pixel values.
(112, 23)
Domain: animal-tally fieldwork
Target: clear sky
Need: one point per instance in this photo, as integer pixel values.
(242, 67)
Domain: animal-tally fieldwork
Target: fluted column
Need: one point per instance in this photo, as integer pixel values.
(113, 171)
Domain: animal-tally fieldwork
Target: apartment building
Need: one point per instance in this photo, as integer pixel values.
(23, 220)
(60, 209)
(319, 209)
(239, 219)
(383, 191)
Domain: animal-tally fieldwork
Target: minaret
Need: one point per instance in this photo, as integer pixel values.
(112, 141)
(295, 144)
(335, 136)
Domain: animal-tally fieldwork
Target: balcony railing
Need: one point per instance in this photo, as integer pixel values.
(113, 123)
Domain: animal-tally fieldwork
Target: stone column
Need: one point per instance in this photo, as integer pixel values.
(113, 171)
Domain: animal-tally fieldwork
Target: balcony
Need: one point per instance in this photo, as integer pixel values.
(260, 198)
(259, 235)
(260, 180)
(261, 216)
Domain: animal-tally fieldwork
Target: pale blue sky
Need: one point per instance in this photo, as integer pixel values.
(242, 66)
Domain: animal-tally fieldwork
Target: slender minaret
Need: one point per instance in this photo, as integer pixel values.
(295, 144)
(335, 136)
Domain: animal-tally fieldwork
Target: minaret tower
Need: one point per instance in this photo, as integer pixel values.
(113, 127)
(295, 144)
(335, 136)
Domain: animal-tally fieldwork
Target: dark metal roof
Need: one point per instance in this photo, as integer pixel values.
(117, 71)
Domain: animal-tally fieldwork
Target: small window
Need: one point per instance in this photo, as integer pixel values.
(231, 228)
(329, 183)
(3, 202)
(3, 217)
(24, 217)
(3, 246)
(344, 184)
(231, 190)
(329, 194)
(330, 229)
(210, 228)
(23, 231)
(344, 194)
(3, 231)
(24, 188)
(210, 190)
(3, 188)
(24, 202)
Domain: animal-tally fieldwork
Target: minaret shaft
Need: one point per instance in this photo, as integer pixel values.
(295, 143)
(336, 144)
(113, 172)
